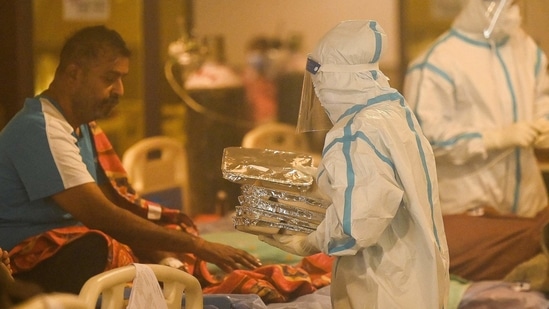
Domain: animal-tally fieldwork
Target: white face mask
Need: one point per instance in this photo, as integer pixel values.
(477, 16)
(508, 22)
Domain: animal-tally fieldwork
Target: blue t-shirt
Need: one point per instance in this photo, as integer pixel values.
(40, 155)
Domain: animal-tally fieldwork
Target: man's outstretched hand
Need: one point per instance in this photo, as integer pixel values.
(227, 258)
(5, 259)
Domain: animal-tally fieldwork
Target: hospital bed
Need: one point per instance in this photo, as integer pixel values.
(493, 294)
(463, 295)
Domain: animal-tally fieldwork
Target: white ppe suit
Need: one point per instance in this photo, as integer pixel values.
(479, 101)
(385, 224)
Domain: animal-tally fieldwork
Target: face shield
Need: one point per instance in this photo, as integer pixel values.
(312, 116)
(493, 11)
(344, 67)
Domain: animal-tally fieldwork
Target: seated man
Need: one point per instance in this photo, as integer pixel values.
(66, 212)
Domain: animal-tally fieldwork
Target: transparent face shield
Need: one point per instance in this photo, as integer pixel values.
(312, 116)
(493, 11)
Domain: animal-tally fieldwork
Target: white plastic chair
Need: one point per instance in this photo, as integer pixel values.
(157, 166)
(110, 285)
(278, 136)
(275, 136)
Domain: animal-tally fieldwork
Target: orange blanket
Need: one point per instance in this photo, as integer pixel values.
(273, 283)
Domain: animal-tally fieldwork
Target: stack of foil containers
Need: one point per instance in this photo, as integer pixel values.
(279, 195)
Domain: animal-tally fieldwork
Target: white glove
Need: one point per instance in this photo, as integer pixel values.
(520, 134)
(542, 140)
(542, 125)
(303, 245)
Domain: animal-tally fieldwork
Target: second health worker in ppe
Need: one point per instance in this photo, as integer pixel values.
(480, 93)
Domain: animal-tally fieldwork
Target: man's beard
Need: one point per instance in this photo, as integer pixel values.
(107, 106)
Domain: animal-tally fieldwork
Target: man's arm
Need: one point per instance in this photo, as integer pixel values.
(113, 196)
(89, 205)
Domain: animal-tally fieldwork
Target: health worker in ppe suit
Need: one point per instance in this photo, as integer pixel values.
(483, 103)
(480, 93)
(385, 224)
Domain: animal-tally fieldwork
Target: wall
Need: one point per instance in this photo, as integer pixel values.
(16, 81)
(51, 28)
(127, 123)
(240, 20)
(535, 21)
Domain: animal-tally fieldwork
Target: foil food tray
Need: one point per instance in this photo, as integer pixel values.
(265, 215)
(277, 168)
(286, 197)
(260, 227)
(277, 209)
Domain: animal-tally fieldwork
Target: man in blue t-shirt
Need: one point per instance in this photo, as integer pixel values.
(51, 184)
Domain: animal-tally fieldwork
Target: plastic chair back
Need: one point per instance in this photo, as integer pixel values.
(157, 169)
(276, 136)
(279, 136)
(110, 285)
